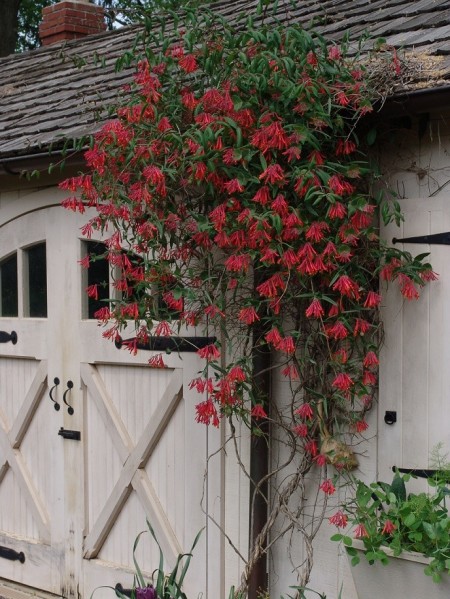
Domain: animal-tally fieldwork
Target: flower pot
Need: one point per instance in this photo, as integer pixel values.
(403, 577)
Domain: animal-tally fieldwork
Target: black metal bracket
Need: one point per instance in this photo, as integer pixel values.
(6, 337)
(168, 344)
(121, 591)
(424, 472)
(56, 382)
(11, 554)
(390, 417)
(66, 434)
(436, 239)
(69, 388)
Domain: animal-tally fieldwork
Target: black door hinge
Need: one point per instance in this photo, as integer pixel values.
(436, 239)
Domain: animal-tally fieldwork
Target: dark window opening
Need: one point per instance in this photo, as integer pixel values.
(9, 292)
(97, 274)
(37, 281)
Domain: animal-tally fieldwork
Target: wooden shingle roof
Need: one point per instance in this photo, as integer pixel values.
(57, 92)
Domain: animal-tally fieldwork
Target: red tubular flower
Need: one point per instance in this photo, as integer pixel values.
(188, 99)
(311, 448)
(263, 195)
(347, 287)
(407, 287)
(316, 231)
(361, 327)
(305, 411)
(327, 487)
(286, 345)
(343, 382)
(234, 186)
(301, 430)
(360, 531)
(157, 361)
(271, 137)
(273, 336)
(290, 371)
(429, 275)
(334, 53)
(188, 63)
(337, 331)
(339, 519)
(164, 124)
(315, 309)
(163, 329)
(372, 300)
(174, 304)
(339, 186)
(361, 426)
(370, 359)
(209, 352)
(238, 263)
(92, 291)
(320, 459)
(270, 287)
(345, 147)
(207, 413)
(248, 315)
(258, 411)
(337, 210)
(388, 528)
(236, 375)
(369, 378)
(341, 356)
(273, 174)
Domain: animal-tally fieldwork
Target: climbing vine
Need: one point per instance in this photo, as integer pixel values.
(235, 195)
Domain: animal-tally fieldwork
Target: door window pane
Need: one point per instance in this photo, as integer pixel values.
(37, 281)
(98, 275)
(8, 281)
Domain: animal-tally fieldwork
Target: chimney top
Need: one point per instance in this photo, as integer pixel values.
(69, 20)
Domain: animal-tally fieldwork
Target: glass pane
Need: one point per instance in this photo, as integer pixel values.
(37, 281)
(97, 274)
(8, 279)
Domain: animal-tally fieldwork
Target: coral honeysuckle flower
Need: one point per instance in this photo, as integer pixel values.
(388, 528)
(370, 359)
(209, 352)
(361, 426)
(301, 430)
(305, 411)
(339, 519)
(361, 531)
(273, 174)
(188, 63)
(315, 309)
(327, 487)
(373, 300)
(346, 286)
(343, 382)
(258, 411)
(207, 413)
(248, 315)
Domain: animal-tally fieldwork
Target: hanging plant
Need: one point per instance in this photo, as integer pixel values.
(235, 194)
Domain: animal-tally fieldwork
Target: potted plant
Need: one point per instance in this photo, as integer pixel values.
(388, 522)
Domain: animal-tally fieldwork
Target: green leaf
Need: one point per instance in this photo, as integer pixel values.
(410, 519)
(371, 136)
(347, 541)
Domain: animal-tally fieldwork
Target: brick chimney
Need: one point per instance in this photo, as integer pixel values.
(69, 20)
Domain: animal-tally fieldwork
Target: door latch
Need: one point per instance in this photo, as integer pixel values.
(66, 434)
